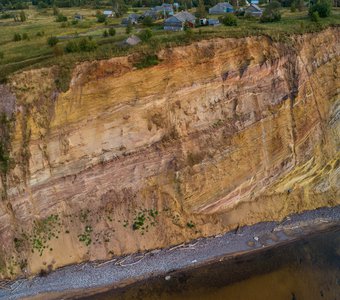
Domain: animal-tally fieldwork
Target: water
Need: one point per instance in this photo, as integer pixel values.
(306, 269)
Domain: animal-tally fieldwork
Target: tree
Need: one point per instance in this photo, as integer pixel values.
(23, 17)
(147, 21)
(112, 31)
(271, 13)
(119, 7)
(322, 7)
(52, 41)
(55, 11)
(105, 33)
(200, 10)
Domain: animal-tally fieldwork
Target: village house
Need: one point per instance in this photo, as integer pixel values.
(253, 10)
(78, 17)
(132, 19)
(165, 9)
(108, 13)
(178, 21)
(152, 14)
(221, 8)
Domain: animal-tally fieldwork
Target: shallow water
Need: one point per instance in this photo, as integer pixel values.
(306, 269)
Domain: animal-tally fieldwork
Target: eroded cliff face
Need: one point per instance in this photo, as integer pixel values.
(221, 133)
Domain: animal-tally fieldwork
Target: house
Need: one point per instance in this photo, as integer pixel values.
(213, 22)
(132, 18)
(132, 40)
(108, 13)
(221, 8)
(78, 17)
(165, 9)
(253, 10)
(152, 14)
(179, 21)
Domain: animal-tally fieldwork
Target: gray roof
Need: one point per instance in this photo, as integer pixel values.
(222, 6)
(164, 7)
(133, 40)
(254, 6)
(107, 12)
(184, 16)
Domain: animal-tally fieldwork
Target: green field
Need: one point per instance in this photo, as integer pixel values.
(41, 24)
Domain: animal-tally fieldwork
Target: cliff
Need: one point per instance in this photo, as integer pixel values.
(221, 133)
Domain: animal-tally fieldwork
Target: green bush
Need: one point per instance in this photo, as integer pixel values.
(16, 37)
(128, 28)
(229, 20)
(101, 18)
(145, 35)
(148, 60)
(25, 36)
(87, 45)
(314, 17)
(23, 17)
(105, 33)
(271, 13)
(323, 8)
(112, 31)
(52, 41)
(61, 18)
(72, 46)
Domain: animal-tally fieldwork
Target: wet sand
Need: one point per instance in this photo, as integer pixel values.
(91, 278)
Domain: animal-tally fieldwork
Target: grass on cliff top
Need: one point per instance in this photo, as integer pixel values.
(35, 53)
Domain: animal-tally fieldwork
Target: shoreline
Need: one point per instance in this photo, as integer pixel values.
(89, 278)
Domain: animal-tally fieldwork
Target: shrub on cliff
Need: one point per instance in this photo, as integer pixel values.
(271, 13)
(322, 7)
(148, 60)
(229, 20)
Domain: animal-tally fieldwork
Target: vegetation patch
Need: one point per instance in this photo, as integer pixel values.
(5, 159)
(44, 231)
(147, 61)
(85, 237)
(144, 219)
